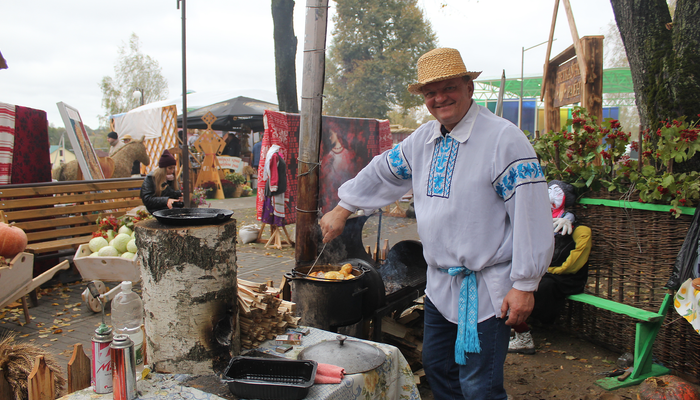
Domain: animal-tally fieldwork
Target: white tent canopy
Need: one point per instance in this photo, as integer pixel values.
(146, 121)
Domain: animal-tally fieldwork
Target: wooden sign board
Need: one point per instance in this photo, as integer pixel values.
(227, 162)
(568, 84)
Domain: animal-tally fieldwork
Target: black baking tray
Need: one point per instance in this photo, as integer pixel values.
(267, 378)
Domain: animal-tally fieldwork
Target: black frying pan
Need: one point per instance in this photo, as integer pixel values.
(192, 216)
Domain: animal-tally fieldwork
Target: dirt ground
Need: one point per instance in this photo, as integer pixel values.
(564, 367)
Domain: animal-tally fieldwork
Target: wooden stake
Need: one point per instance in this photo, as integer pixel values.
(40, 381)
(78, 369)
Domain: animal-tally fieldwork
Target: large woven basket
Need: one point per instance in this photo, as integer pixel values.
(632, 258)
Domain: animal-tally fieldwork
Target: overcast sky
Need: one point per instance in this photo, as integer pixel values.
(60, 50)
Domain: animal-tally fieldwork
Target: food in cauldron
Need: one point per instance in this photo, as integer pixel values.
(344, 273)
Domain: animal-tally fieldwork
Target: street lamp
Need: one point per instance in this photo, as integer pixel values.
(138, 94)
(522, 80)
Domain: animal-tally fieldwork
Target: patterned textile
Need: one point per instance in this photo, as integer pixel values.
(31, 157)
(357, 141)
(518, 173)
(687, 303)
(442, 167)
(281, 129)
(7, 141)
(467, 335)
(391, 380)
(156, 387)
(398, 164)
(270, 211)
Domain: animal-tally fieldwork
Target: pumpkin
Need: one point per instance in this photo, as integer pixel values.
(13, 240)
(667, 387)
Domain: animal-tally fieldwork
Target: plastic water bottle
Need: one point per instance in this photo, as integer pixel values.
(127, 319)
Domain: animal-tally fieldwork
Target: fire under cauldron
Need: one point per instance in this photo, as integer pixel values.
(376, 290)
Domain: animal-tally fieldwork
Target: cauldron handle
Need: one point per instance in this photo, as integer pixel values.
(290, 275)
(359, 292)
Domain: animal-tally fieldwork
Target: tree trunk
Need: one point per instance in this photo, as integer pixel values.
(664, 60)
(648, 45)
(190, 292)
(285, 55)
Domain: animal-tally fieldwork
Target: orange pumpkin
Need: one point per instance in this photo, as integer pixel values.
(13, 240)
(667, 387)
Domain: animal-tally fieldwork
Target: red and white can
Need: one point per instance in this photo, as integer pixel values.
(123, 368)
(102, 360)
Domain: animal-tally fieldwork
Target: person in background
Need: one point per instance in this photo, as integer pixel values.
(114, 143)
(233, 145)
(136, 168)
(483, 218)
(256, 153)
(160, 188)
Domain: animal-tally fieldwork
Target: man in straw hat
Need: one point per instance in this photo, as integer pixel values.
(483, 217)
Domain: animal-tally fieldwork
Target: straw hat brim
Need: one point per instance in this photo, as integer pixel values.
(415, 88)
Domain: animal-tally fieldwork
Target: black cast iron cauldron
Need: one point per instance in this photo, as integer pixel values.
(328, 304)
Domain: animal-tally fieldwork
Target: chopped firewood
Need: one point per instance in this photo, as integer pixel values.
(405, 319)
(259, 287)
(393, 328)
(263, 315)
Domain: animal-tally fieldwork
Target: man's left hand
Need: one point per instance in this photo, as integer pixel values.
(520, 305)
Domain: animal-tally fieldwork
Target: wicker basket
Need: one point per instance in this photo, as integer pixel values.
(631, 261)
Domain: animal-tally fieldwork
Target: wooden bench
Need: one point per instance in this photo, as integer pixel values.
(59, 216)
(647, 329)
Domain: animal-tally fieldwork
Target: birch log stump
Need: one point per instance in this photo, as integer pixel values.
(188, 278)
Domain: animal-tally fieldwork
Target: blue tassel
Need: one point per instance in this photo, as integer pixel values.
(468, 309)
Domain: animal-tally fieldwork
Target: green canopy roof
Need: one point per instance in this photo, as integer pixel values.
(617, 87)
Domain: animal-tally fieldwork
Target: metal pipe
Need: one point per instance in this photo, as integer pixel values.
(185, 148)
(522, 81)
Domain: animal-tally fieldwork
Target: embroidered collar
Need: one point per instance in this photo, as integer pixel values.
(464, 128)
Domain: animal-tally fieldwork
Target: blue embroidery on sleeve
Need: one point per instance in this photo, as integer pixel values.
(518, 173)
(398, 164)
(442, 167)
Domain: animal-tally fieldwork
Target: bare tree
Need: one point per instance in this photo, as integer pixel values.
(134, 70)
(285, 55)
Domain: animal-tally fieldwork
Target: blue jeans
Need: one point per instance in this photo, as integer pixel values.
(482, 377)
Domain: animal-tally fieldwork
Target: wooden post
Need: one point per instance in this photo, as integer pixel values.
(188, 278)
(310, 129)
(78, 369)
(40, 384)
(552, 121)
(592, 93)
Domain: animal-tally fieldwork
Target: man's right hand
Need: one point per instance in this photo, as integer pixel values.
(333, 223)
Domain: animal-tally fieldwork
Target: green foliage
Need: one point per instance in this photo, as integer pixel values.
(235, 178)
(373, 56)
(134, 70)
(592, 156)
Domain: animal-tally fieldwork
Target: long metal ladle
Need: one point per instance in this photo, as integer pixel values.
(319, 256)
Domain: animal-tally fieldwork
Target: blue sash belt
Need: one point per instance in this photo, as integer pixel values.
(467, 335)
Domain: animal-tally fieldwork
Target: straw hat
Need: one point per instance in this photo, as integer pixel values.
(439, 65)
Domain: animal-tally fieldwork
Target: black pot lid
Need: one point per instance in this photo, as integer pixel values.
(351, 355)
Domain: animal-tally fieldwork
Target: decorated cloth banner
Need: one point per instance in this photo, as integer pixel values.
(347, 146)
(7, 141)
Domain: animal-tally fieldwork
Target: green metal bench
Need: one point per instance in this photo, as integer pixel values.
(647, 328)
